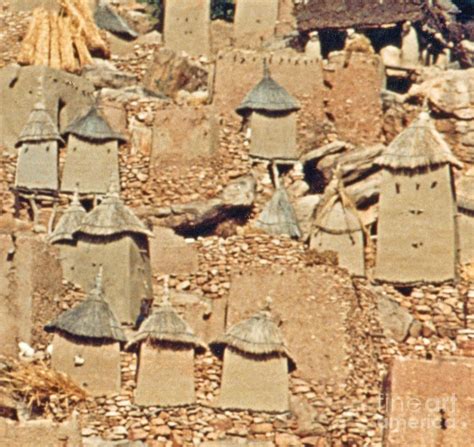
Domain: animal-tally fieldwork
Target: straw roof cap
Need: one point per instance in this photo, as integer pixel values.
(92, 126)
(418, 146)
(39, 127)
(92, 318)
(70, 221)
(165, 325)
(465, 191)
(258, 335)
(111, 218)
(268, 96)
(278, 216)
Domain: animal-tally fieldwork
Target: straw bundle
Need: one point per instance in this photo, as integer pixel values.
(40, 387)
(63, 40)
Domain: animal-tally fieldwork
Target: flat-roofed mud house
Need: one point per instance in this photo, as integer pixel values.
(63, 237)
(465, 202)
(92, 154)
(271, 112)
(416, 227)
(256, 366)
(86, 344)
(112, 236)
(38, 153)
(338, 228)
(167, 346)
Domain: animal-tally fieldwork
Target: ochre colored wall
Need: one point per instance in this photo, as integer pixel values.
(416, 228)
(187, 26)
(37, 166)
(89, 166)
(254, 384)
(466, 236)
(100, 373)
(349, 247)
(165, 376)
(273, 136)
(254, 22)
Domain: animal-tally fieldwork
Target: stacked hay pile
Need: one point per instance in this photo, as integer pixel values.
(63, 40)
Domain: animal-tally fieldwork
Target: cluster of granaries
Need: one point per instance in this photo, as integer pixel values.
(256, 362)
(423, 225)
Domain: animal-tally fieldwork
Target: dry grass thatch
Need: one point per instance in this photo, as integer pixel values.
(69, 223)
(38, 387)
(112, 218)
(39, 127)
(268, 96)
(258, 335)
(418, 146)
(91, 319)
(278, 216)
(165, 325)
(92, 126)
(63, 40)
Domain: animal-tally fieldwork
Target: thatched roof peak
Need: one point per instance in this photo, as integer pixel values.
(70, 221)
(268, 96)
(420, 145)
(39, 127)
(258, 335)
(112, 217)
(92, 126)
(165, 325)
(92, 319)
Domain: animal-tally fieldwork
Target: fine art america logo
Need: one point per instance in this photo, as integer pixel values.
(426, 414)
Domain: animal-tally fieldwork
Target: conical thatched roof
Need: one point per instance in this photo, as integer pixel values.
(111, 218)
(258, 335)
(465, 191)
(106, 18)
(278, 216)
(418, 146)
(92, 126)
(165, 325)
(268, 96)
(334, 215)
(92, 318)
(39, 127)
(70, 222)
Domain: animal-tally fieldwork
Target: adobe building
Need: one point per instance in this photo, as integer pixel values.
(465, 203)
(112, 236)
(38, 153)
(271, 113)
(278, 215)
(92, 154)
(254, 22)
(429, 402)
(68, 95)
(167, 344)
(416, 240)
(187, 26)
(170, 254)
(63, 237)
(256, 366)
(86, 344)
(338, 228)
